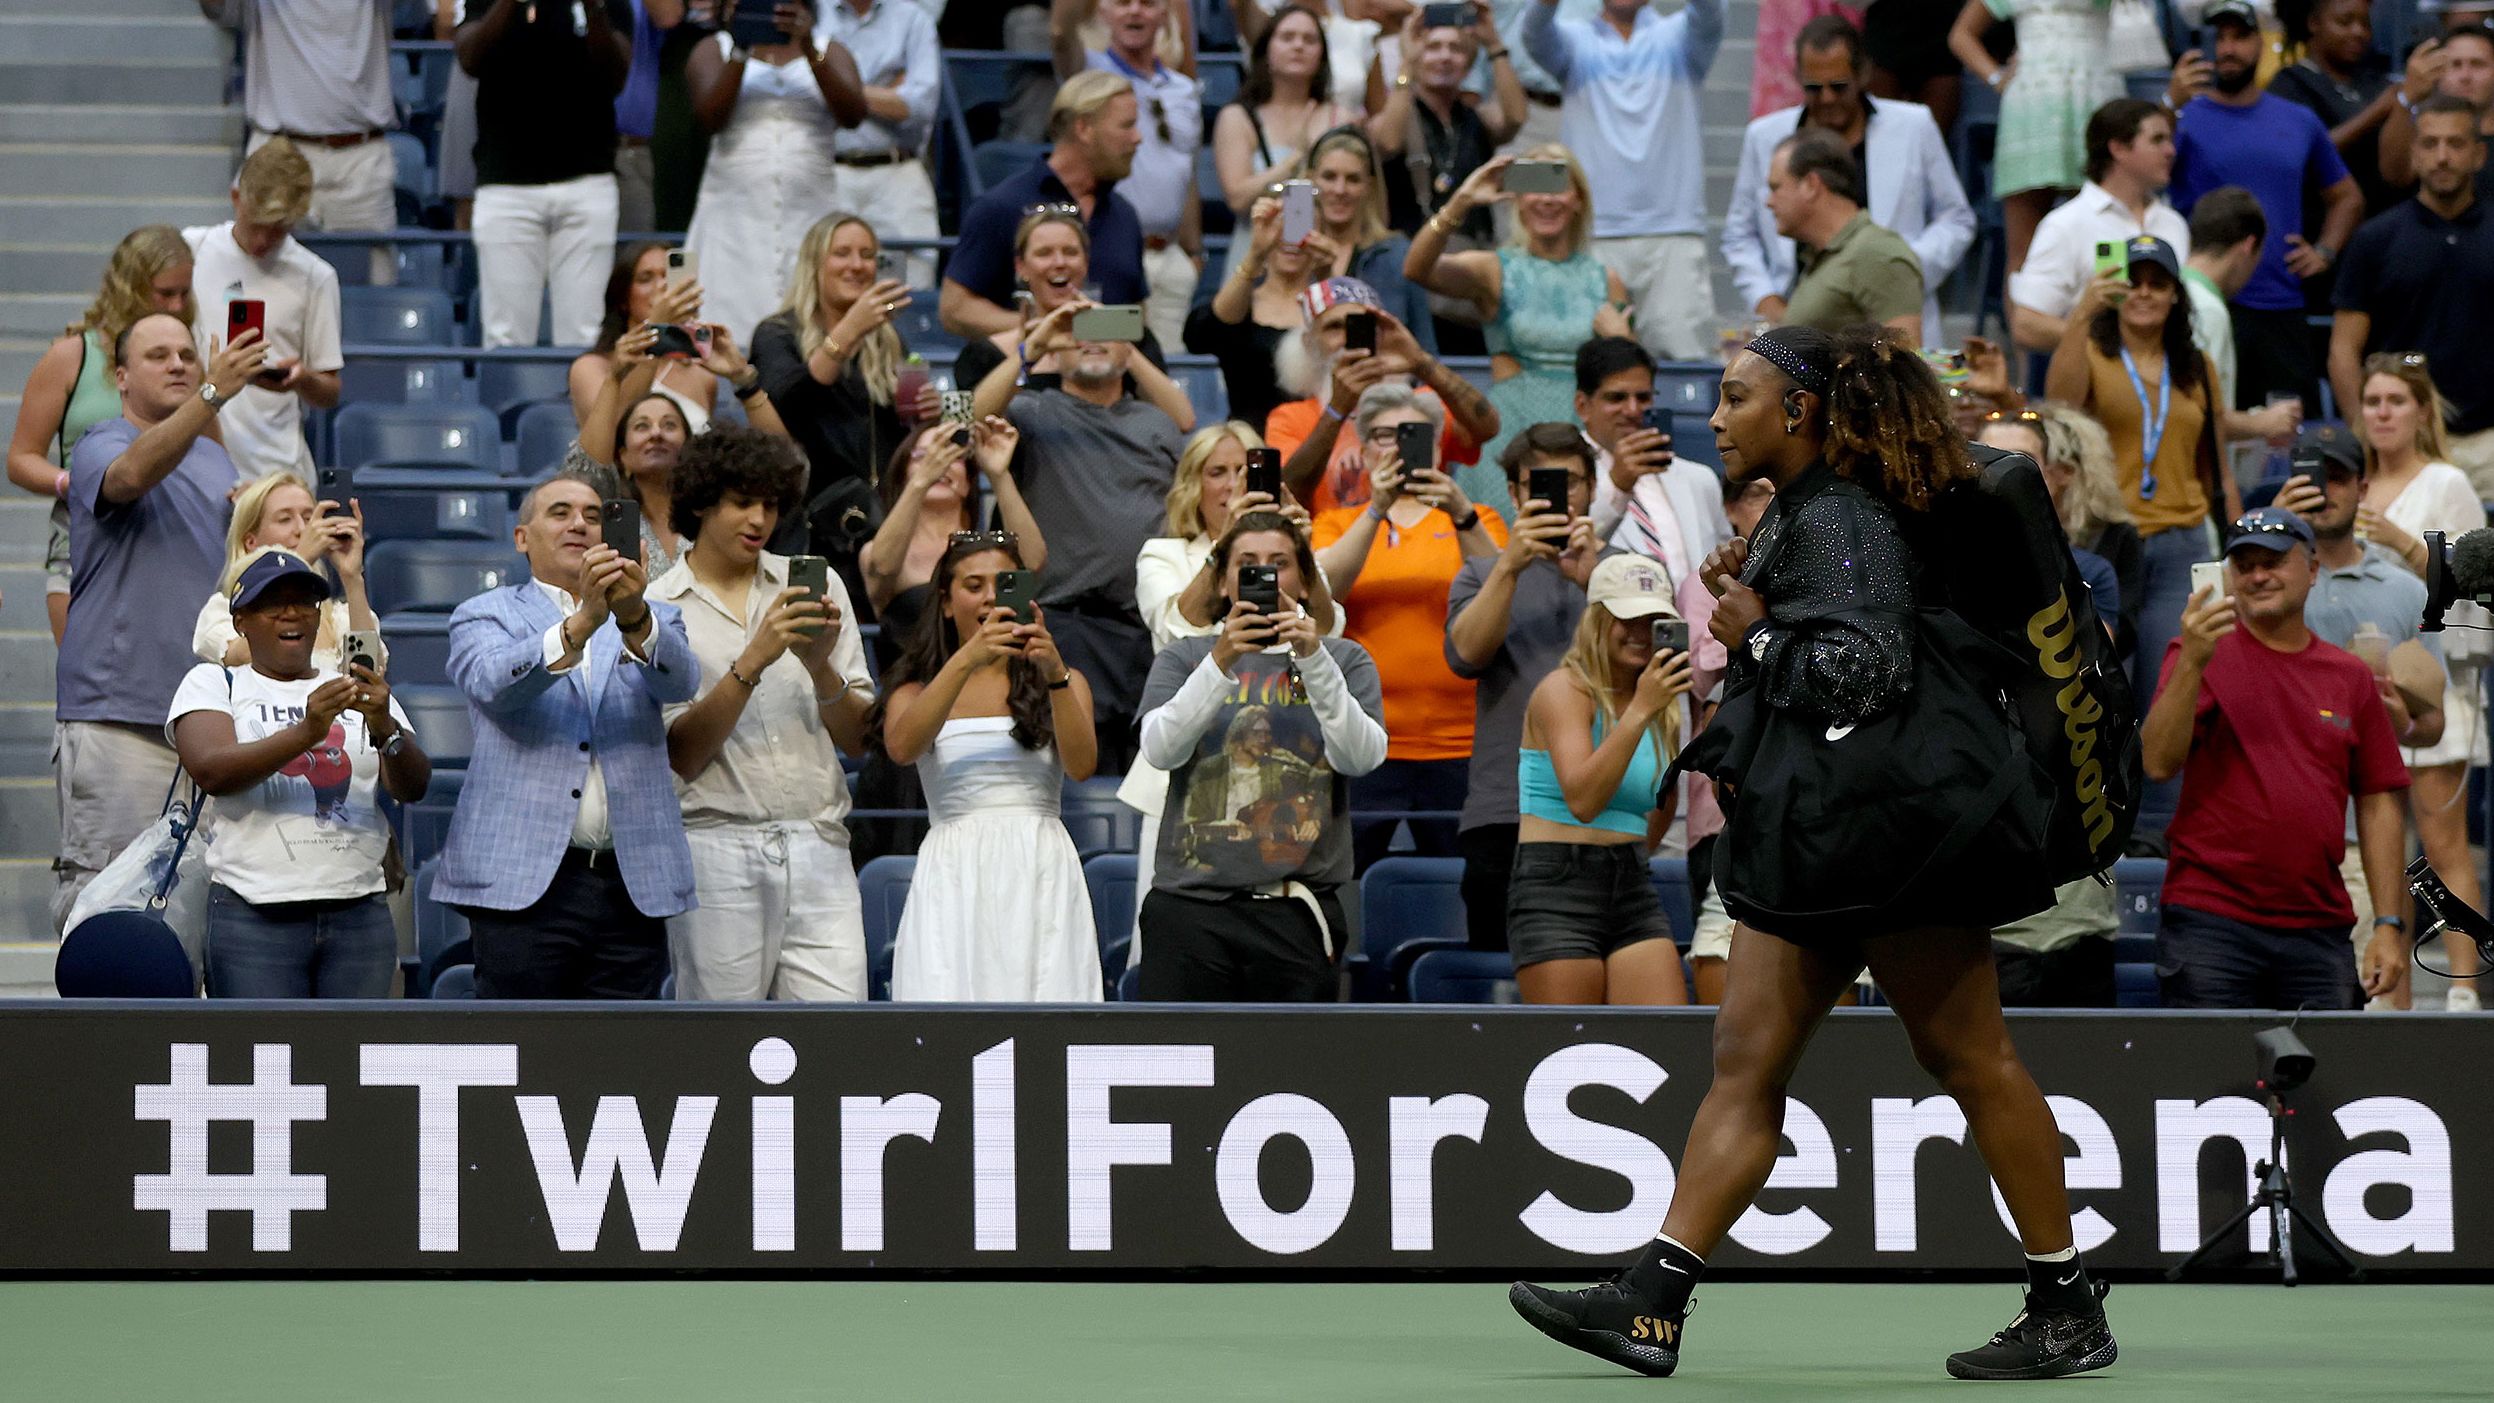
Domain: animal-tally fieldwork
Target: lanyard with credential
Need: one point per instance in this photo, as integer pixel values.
(2151, 432)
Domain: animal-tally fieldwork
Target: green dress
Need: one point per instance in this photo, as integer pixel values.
(1545, 311)
(92, 400)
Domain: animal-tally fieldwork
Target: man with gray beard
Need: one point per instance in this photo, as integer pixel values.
(1320, 465)
(1094, 465)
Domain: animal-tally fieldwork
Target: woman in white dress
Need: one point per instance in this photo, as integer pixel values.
(994, 720)
(2410, 489)
(775, 112)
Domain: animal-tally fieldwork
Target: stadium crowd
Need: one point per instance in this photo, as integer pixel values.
(1376, 600)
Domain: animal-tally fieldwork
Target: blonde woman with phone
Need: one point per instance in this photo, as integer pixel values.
(1583, 922)
(278, 510)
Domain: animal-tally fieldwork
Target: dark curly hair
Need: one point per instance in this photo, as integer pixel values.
(935, 641)
(1888, 422)
(747, 462)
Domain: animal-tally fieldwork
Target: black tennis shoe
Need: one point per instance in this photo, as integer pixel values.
(1608, 1321)
(2043, 1343)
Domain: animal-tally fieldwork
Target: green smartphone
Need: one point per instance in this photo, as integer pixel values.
(2110, 263)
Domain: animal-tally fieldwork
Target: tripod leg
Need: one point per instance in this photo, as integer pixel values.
(2331, 1247)
(2216, 1239)
(2282, 1216)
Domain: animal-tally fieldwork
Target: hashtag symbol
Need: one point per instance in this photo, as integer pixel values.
(272, 1192)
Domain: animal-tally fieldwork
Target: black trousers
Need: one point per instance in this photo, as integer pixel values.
(2273, 355)
(583, 939)
(1488, 862)
(1239, 949)
(2078, 975)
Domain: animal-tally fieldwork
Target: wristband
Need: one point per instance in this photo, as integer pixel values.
(2394, 922)
(1333, 413)
(1470, 519)
(633, 626)
(1062, 683)
(60, 485)
(748, 391)
(1497, 55)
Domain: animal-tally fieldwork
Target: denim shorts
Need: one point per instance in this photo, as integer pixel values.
(1580, 901)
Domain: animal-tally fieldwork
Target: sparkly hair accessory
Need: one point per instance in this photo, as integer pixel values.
(1788, 360)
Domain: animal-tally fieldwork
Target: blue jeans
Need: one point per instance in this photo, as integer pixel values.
(2165, 561)
(300, 949)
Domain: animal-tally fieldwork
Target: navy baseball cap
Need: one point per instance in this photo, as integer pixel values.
(2147, 248)
(2268, 528)
(269, 569)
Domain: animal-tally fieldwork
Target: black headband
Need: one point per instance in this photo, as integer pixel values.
(1784, 358)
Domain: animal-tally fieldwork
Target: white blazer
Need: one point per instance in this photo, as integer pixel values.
(1913, 192)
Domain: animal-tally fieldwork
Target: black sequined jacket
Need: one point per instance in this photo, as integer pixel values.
(1838, 582)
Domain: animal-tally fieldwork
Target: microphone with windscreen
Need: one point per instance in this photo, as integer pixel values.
(2456, 570)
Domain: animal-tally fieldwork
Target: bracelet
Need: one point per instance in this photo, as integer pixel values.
(635, 625)
(1333, 413)
(841, 691)
(1497, 55)
(834, 347)
(1062, 683)
(60, 485)
(749, 390)
(751, 684)
(2394, 922)
(1469, 520)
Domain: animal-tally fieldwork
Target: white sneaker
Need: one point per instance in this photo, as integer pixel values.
(2462, 999)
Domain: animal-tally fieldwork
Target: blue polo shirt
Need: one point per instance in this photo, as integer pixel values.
(135, 570)
(2428, 285)
(983, 256)
(2273, 148)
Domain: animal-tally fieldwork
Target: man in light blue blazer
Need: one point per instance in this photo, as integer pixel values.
(1914, 190)
(567, 853)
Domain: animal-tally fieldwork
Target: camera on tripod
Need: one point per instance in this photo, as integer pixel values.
(2442, 912)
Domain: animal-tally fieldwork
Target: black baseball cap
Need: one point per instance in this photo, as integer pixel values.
(2268, 528)
(2322, 446)
(2147, 248)
(2239, 11)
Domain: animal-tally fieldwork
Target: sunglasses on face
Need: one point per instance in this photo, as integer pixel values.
(1839, 89)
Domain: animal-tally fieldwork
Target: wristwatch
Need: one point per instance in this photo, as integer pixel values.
(1758, 641)
(2394, 922)
(208, 396)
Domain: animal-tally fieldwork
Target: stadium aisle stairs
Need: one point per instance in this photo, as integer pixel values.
(112, 115)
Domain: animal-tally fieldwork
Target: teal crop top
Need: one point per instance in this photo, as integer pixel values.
(1539, 796)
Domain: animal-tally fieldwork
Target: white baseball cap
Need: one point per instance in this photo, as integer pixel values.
(1631, 587)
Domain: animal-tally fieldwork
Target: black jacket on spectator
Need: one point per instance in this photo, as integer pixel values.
(1245, 351)
(544, 114)
(845, 434)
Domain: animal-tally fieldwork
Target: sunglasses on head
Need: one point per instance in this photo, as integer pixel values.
(985, 540)
(2248, 525)
(1064, 207)
(2013, 416)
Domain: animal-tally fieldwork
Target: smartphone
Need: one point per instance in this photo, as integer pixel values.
(1535, 178)
(620, 526)
(360, 648)
(2110, 263)
(891, 268)
(1116, 323)
(1417, 445)
(1658, 419)
(1261, 586)
(810, 573)
(1457, 15)
(245, 314)
(683, 266)
(1359, 331)
(1013, 591)
(1264, 472)
(751, 24)
(1548, 485)
(956, 408)
(1298, 210)
(1671, 636)
(2209, 575)
(677, 342)
(335, 486)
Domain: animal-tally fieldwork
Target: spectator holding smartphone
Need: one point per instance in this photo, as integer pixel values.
(547, 202)
(1347, 345)
(1263, 729)
(71, 387)
(278, 512)
(930, 494)
(567, 853)
(757, 756)
(1285, 103)
(148, 496)
(255, 273)
(1161, 183)
(1392, 562)
(633, 300)
(1051, 269)
(1432, 133)
(1509, 618)
(290, 758)
(1255, 313)
(775, 114)
(996, 722)
(1583, 922)
(1645, 499)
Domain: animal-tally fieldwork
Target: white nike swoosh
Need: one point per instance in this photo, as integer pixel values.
(1669, 1267)
(2064, 1281)
(1837, 733)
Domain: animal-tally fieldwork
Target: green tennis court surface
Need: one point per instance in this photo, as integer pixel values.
(1020, 1342)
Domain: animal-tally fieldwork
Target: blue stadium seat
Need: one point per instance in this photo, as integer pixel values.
(1099, 822)
(438, 576)
(419, 647)
(923, 331)
(2138, 884)
(1670, 876)
(374, 381)
(1200, 377)
(544, 435)
(1219, 218)
(2134, 985)
(1403, 899)
(883, 889)
(423, 826)
(441, 933)
(396, 316)
(1463, 977)
(415, 166)
(504, 385)
(1111, 878)
(1693, 440)
(1688, 386)
(429, 513)
(995, 161)
(440, 717)
(456, 982)
(428, 435)
(424, 265)
(1221, 75)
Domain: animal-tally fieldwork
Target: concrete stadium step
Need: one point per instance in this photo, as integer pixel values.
(101, 168)
(30, 824)
(27, 654)
(89, 218)
(26, 738)
(145, 9)
(40, 314)
(80, 39)
(26, 966)
(72, 266)
(111, 81)
(24, 518)
(207, 125)
(18, 355)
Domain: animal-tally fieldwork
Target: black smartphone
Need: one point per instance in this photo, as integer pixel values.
(1261, 586)
(1549, 485)
(1013, 591)
(1671, 636)
(1455, 15)
(1417, 445)
(752, 24)
(1359, 331)
(335, 486)
(1264, 472)
(677, 342)
(620, 526)
(1658, 419)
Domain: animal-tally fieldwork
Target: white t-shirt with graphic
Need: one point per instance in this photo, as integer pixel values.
(311, 831)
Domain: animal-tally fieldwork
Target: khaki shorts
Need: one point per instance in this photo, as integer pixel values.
(111, 782)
